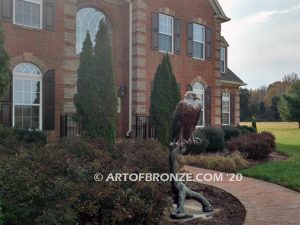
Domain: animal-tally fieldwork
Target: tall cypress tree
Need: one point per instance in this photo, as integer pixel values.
(105, 81)
(164, 98)
(4, 66)
(85, 98)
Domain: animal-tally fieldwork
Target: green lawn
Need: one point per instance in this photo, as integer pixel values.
(286, 173)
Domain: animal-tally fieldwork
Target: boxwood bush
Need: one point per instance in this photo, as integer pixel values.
(214, 136)
(256, 146)
(230, 132)
(246, 130)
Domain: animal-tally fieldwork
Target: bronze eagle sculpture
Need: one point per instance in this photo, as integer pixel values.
(185, 119)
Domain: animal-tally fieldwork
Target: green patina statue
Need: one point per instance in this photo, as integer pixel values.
(186, 117)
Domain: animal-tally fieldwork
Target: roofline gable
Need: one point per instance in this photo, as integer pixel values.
(220, 14)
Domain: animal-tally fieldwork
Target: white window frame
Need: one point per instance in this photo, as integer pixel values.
(201, 93)
(40, 2)
(223, 58)
(23, 76)
(226, 98)
(171, 35)
(194, 40)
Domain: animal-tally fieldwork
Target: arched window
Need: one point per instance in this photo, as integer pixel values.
(200, 90)
(87, 20)
(27, 89)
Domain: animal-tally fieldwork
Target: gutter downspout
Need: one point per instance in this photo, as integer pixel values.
(128, 134)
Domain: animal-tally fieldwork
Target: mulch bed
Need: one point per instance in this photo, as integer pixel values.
(229, 210)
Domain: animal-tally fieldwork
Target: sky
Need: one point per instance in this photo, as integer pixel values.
(264, 39)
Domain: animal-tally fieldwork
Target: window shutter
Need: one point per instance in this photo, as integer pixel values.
(49, 14)
(232, 109)
(208, 106)
(6, 107)
(177, 36)
(49, 100)
(6, 10)
(155, 29)
(190, 40)
(208, 43)
(221, 108)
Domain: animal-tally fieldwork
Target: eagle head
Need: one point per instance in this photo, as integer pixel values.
(190, 95)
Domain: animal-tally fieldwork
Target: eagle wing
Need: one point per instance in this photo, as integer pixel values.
(185, 117)
(177, 119)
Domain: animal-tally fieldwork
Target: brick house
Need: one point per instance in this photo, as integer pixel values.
(44, 39)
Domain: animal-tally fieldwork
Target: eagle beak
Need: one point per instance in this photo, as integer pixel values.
(197, 97)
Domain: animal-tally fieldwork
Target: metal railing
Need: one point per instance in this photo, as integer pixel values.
(143, 127)
(71, 128)
(68, 126)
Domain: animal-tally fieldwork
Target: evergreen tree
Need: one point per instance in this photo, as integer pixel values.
(4, 66)
(85, 98)
(106, 92)
(164, 98)
(289, 105)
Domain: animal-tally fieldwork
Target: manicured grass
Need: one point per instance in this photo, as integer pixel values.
(285, 173)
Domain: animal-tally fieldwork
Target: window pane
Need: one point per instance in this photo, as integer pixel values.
(36, 98)
(165, 24)
(18, 85)
(27, 13)
(200, 122)
(198, 50)
(35, 86)
(18, 97)
(165, 43)
(87, 20)
(18, 122)
(18, 111)
(27, 98)
(225, 118)
(35, 111)
(26, 122)
(27, 85)
(198, 34)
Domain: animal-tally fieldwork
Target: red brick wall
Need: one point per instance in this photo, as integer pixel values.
(186, 69)
(47, 46)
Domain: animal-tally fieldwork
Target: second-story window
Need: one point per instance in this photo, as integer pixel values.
(198, 41)
(166, 33)
(28, 13)
(222, 59)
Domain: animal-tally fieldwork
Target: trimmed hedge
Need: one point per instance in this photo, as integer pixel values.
(195, 149)
(246, 130)
(230, 132)
(213, 140)
(256, 146)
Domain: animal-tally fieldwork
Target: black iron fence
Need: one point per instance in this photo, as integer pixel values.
(68, 126)
(143, 127)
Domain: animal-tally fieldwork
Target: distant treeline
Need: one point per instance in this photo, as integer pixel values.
(263, 102)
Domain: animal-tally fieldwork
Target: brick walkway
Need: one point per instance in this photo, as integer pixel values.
(265, 203)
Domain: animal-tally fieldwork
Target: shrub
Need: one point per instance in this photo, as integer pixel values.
(254, 146)
(196, 149)
(253, 124)
(215, 137)
(165, 96)
(55, 185)
(231, 163)
(246, 129)
(6, 132)
(230, 132)
(31, 136)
